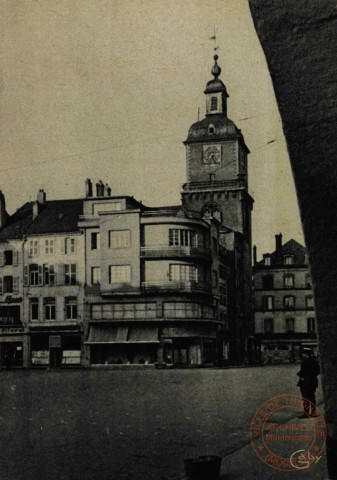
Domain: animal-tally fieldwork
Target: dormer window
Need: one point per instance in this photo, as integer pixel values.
(214, 103)
(267, 261)
(288, 259)
(211, 129)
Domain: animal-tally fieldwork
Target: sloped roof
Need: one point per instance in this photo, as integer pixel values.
(292, 247)
(18, 223)
(55, 216)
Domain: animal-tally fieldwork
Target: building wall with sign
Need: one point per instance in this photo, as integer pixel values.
(12, 336)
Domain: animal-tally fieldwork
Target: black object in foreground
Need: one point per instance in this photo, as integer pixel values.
(203, 468)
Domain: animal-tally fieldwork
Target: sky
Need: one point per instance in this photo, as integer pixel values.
(107, 89)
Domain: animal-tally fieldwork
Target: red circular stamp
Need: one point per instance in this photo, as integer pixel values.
(281, 440)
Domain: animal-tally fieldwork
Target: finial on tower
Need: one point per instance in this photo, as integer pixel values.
(216, 70)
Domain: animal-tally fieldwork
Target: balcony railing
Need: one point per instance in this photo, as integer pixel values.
(174, 251)
(178, 286)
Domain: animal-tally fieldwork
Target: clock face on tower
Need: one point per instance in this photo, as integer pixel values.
(212, 154)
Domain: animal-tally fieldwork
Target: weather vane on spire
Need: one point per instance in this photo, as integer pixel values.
(215, 48)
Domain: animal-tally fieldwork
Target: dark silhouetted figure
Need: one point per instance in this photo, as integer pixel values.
(308, 381)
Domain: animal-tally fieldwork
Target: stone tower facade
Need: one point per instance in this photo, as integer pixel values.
(217, 186)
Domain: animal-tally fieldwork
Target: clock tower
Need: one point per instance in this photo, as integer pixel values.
(217, 188)
(216, 163)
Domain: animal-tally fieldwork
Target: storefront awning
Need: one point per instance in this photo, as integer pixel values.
(146, 334)
(122, 335)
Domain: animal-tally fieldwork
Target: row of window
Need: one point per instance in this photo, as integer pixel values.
(148, 310)
(288, 259)
(34, 274)
(289, 325)
(288, 281)
(187, 310)
(38, 275)
(289, 302)
(48, 247)
(123, 310)
(49, 309)
(122, 238)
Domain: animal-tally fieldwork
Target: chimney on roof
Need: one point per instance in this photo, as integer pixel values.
(254, 255)
(3, 214)
(99, 189)
(107, 190)
(278, 247)
(88, 188)
(41, 196)
(36, 209)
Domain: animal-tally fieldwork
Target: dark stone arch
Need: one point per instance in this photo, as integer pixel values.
(300, 43)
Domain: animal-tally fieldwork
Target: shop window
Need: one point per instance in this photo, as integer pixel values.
(95, 241)
(289, 281)
(268, 325)
(311, 326)
(268, 282)
(8, 284)
(120, 274)
(309, 301)
(288, 259)
(95, 275)
(119, 238)
(34, 308)
(290, 325)
(289, 302)
(268, 303)
(70, 274)
(69, 246)
(49, 274)
(182, 237)
(208, 352)
(49, 309)
(8, 257)
(183, 273)
(71, 308)
(40, 350)
(49, 247)
(10, 316)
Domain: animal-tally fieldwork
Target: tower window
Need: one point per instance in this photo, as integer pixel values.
(211, 129)
(214, 103)
(311, 325)
(290, 325)
(268, 325)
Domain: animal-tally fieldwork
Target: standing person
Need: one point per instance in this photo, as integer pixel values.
(308, 381)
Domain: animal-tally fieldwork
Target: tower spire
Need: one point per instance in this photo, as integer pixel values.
(216, 93)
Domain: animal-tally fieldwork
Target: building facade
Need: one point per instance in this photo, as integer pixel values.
(41, 284)
(105, 280)
(284, 304)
